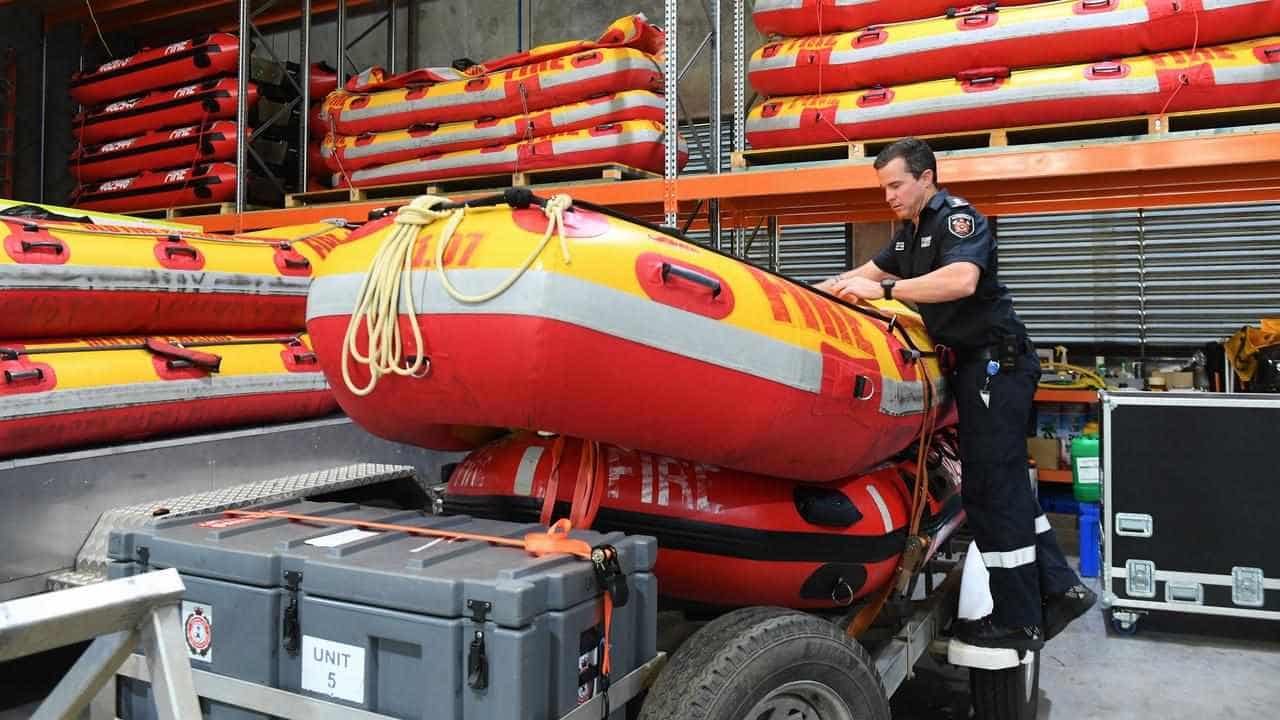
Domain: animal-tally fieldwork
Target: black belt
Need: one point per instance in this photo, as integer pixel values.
(1006, 352)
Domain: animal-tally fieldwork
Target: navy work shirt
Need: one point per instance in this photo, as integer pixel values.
(952, 231)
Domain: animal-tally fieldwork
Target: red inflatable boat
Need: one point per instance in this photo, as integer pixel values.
(187, 105)
(1244, 73)
(159, 149)
(529, 88)
(350, 153)
(60, 394)
(324, 80)
(212, 183)
(202, 57)
(625, 334)
(1054, 33)
(724, 537)
(632, 31)
(795, 18)
(71, 279)
(636, 143)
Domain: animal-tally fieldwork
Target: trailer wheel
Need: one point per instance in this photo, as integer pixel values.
(768, 663)
(1012, 694)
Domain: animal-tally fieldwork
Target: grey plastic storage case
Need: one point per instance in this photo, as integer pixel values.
(405, 625)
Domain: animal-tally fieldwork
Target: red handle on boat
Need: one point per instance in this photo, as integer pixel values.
(13, 376)
(692, 276)
(171, 250)
(56, 247)
(194, 358)
(987, 73)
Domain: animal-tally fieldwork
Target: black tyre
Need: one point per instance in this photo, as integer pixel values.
(1012, 694)
(768, 663)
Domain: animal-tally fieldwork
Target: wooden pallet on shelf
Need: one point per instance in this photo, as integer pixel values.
(1134, 128)
(572, 175)
(181, 211)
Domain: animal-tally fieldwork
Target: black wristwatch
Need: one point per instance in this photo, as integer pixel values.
(887, 286)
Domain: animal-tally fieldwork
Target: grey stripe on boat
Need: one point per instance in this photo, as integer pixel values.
(92, 277)
(1004, 96)
(1220, 4)
(159, 391)
(596, 307)
(943, 41)
(449, 161)
(496, 91)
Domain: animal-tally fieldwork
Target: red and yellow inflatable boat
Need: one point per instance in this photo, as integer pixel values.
(621, 333)
(66, 279)
(65, 394)
(195, 59)
(724, 537)
(180, 147)
(637, 143)
(355, 152)
(795, 18)
(212, 183)
(528, 88)
(187, 105)
(1054, 33)
(1243, 73)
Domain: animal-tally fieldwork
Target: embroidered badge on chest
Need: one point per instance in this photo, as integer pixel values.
(900, 245)
(926, 241)
(961, 225)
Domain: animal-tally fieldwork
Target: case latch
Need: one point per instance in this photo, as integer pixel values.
(291, 631)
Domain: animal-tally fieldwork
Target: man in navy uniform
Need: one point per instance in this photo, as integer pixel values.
(943, 259)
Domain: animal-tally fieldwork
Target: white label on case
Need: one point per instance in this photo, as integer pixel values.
(341, 538)
(1088, 470)
(332, 668)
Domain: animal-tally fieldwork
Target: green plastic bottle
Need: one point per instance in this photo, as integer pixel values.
(1086, 468)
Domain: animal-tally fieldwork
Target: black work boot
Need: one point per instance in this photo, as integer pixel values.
(985, 633)
(1062, 608)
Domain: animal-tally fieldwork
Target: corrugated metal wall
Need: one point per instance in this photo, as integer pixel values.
(1074, 277)
(1165, 277)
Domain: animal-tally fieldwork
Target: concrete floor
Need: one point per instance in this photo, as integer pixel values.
(1172, 669)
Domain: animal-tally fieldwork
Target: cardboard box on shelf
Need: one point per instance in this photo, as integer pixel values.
(1045, 451)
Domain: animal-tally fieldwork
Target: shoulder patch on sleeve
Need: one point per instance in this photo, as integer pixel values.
(955, 202)
(960, 225)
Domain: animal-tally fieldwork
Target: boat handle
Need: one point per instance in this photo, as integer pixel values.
(863, 388)
(869, 36)
(692, 276)
(171, 250)
(976, 19)
(1095, 4)
(13, 376)
(304, 358)
(297, 262)
(29, 245)
(1107, 68)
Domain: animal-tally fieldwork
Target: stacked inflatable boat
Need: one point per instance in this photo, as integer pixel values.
(144, 143)
(572, 103)
(112, 332)
(889, 69)
(627, 348)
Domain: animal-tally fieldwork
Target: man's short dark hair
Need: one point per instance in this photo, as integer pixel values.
(916, 153)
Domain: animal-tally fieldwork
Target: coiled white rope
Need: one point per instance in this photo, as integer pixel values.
(378, 300)
(554, 210)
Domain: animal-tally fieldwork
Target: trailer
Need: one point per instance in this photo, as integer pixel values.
(754, 662)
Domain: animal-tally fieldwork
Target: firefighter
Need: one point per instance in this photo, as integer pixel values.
(943, 259)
